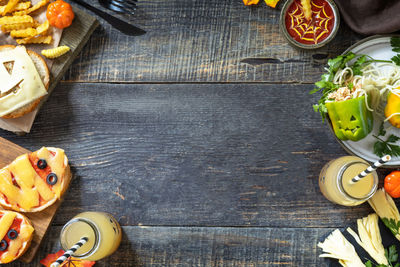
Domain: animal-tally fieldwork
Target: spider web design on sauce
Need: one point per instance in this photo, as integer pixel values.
(313, 30)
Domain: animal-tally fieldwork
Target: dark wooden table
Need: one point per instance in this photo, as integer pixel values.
(198, 136)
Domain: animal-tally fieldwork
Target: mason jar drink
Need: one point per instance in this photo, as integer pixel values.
(335, 181)
(102, 230)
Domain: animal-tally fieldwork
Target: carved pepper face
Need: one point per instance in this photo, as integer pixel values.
(351, 120)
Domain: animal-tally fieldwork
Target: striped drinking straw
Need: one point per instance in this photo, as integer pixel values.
(371, 168)
(69, 252)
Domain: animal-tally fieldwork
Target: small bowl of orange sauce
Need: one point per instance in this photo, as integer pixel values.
(309, 33)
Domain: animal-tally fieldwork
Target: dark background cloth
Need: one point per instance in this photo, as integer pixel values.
(371, 16)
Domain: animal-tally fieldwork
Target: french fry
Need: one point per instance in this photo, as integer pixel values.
(18, 7)
(9, 7)
(22, 6)
(35, 40)
(15, 19)
(42, 28)
(55, 52)
(31, 9)
(29, 32)
(306, 4)
(18, 26)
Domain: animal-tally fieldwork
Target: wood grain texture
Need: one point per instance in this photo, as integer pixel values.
(202, 41)
(187, 154)
(40, 220)
(75, 37)
(193, 246)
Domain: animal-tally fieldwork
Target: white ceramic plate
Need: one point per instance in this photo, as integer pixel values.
(377, 47)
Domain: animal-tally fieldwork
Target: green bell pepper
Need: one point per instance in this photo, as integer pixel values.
(351, 120)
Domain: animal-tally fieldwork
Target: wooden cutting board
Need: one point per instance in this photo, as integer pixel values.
(41, 220)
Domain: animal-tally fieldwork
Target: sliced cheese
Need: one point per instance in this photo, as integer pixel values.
(385, 207)
(43, 189)
(5, 223)
(56, 164)
(369, 238)
(7, 188)
(336, 246)
(25, 175)
(25, 74)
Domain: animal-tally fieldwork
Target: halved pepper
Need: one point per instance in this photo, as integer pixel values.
(351, 120)
(392, 107)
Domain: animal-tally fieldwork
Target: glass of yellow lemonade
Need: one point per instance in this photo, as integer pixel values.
(102, 230)
(335, 181)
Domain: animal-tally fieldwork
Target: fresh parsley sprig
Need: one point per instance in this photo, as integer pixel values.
(395, 43)
(382, 147)
(392, 257)
(392, 225)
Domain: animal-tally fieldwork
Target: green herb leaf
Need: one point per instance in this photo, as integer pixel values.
(382, 147)
(395, 43)
(392, 254)
(392, 138)
(396, 59)
(392, 225)
(358, 65)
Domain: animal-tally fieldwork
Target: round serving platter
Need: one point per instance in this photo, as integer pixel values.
(377, 47)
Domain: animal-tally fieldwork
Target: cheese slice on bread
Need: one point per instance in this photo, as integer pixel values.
(25, 80)
(16, 234)
(34, 181)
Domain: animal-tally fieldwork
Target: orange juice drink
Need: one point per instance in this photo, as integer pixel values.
(102, 230)
(336, 185)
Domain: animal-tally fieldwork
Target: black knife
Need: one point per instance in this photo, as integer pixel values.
(120, 25)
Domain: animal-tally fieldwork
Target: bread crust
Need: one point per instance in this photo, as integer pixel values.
(66, 179)
(45, 79)
(27, 243)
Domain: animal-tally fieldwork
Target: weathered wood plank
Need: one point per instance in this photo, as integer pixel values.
(191, 246)
(191, 154)
(201, 41)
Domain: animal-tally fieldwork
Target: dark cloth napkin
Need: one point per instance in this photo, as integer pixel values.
(371, 16)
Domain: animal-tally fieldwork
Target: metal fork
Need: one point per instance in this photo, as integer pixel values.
(117, 23)
(120, 6)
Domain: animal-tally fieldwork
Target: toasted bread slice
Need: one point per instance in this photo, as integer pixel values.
(24, 185)
(17, 241)
(44, 74)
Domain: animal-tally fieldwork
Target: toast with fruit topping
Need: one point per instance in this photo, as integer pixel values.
(34, 181)
(16, 233)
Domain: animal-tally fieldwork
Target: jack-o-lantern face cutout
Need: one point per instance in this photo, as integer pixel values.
(20, 82)
(351, 120)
